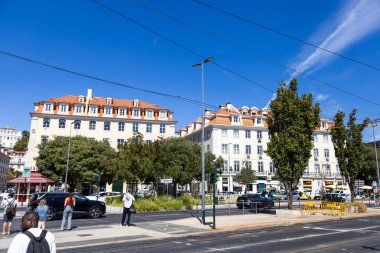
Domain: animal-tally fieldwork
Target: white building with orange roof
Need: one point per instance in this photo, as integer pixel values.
(105, 119)
(8, 137)
(240, 137)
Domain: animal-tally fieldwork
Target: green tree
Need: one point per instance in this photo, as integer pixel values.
(22, 144)
(368, 171)
(246, 176)
(291, 124)
(87, 158)
(135, 160)
(348, 147)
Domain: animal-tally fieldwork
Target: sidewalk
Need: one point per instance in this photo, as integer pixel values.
(87, 236)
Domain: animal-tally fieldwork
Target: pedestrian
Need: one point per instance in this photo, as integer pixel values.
(10, 205)
(4, 195)
(128, 201)
(42, 210)
(32, 238)
(68, 211)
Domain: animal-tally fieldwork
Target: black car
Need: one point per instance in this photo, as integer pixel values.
(333, 197)
(55, 201)
(253, 200)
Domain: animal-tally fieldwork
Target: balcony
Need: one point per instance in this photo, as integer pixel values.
(320, 175)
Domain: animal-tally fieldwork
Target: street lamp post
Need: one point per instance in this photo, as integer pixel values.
(229, 168)
(68, 157)
(203, 139)
(373, 125)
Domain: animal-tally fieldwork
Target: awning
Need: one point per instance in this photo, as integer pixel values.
(365, 187)
(342, 187)
(307, 186)
(35, 178)
(329, 187)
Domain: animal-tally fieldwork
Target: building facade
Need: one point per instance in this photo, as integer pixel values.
(4, 167)
(240, 137)
(17, 161)
(9, 137)
(104, 119)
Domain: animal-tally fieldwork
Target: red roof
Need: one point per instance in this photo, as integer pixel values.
(35, 178)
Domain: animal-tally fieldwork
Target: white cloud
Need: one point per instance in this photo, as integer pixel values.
(356, 20)
(322, 97)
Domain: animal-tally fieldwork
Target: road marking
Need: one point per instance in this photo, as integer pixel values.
(288, 239)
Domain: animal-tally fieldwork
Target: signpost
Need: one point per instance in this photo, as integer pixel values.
(25, 174)
(166, 181)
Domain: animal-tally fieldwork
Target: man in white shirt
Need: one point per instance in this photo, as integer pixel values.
(8, 218)
(29, 225)
(128, 201)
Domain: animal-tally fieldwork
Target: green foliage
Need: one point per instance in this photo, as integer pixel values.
(22, 144)
(368, 171)
(246, 176)
(87, 158)
(291, 123)
(348, 147)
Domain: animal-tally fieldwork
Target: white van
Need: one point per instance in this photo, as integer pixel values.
(344, 193)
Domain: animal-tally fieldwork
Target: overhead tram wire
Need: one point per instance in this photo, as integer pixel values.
(265, 58)
(182, 46)
(287, 35)
(180, 98)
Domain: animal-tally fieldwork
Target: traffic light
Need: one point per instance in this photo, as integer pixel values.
(60, 180)
(213, 177)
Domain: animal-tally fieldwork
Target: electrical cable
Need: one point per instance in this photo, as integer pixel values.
(105, 80)
(286, 35)
(219, 38)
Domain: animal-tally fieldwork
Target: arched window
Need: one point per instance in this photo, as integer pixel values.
(77, 124)
(62, 123)
(92, 125)
(107, 126)
(46, 122)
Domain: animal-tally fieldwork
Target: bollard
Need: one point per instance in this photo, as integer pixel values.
(229, 208)
(243, 208)
(279, 204)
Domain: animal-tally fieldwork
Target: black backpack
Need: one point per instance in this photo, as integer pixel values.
(11, 209)
(37, 244)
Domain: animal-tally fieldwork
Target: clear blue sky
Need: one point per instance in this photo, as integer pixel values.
(87, 38)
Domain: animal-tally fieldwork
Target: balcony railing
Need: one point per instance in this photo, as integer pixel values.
(320, 175)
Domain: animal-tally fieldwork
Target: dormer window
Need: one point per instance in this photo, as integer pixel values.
(324, 125)
(63, 108)
(122, 112)
(254, 112)
(108, 111)
(109, 101)
(78, 109)
(136, 113)
(245, 112)
(258, 121)
(48, 107)
(93, 110)
(235, 119)
(149, 114)
(135, 102)
(81, 99)
(265, 111)
(163, 114)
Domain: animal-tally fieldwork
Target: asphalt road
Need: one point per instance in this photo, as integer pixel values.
(345, 235)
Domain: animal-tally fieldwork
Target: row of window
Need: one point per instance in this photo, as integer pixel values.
(8, 131)
(4, 159)
(107, 111)
(323, 169)
(9, 137)
(236, 119)
(326, 152)
(259, 134)
(45, 139)
(236, 149)
(236, 165)
(325, 138)
(106, 125)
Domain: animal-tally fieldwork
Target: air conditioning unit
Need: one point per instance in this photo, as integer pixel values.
(260, 157)
(248, 157)
(259, 140)
(315, 158)
(327, 159)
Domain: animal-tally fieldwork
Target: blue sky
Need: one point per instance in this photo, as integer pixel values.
(82, 36)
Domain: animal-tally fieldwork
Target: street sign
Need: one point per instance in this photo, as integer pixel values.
(359, 183)
(374, 184)
(26, 172)
(166, 180)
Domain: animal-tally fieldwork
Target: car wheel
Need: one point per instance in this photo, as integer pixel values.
(251, 206)
(95, 212)
(240, 207)
(50, 214)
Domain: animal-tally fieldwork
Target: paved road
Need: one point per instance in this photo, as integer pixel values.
(346, 235)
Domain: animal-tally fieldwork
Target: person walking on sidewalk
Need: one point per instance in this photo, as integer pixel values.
(128, 201)
(10, 205)
(68, 211)
(43, 241)
(42, 210)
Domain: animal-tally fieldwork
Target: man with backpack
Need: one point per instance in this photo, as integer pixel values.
(10, 205)
(32, 239)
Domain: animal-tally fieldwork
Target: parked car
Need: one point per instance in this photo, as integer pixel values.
(281, 196)
(251, 200)
(55, 201)
(296, 196)
(103, 195)
(305, 197)
(333, 197)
